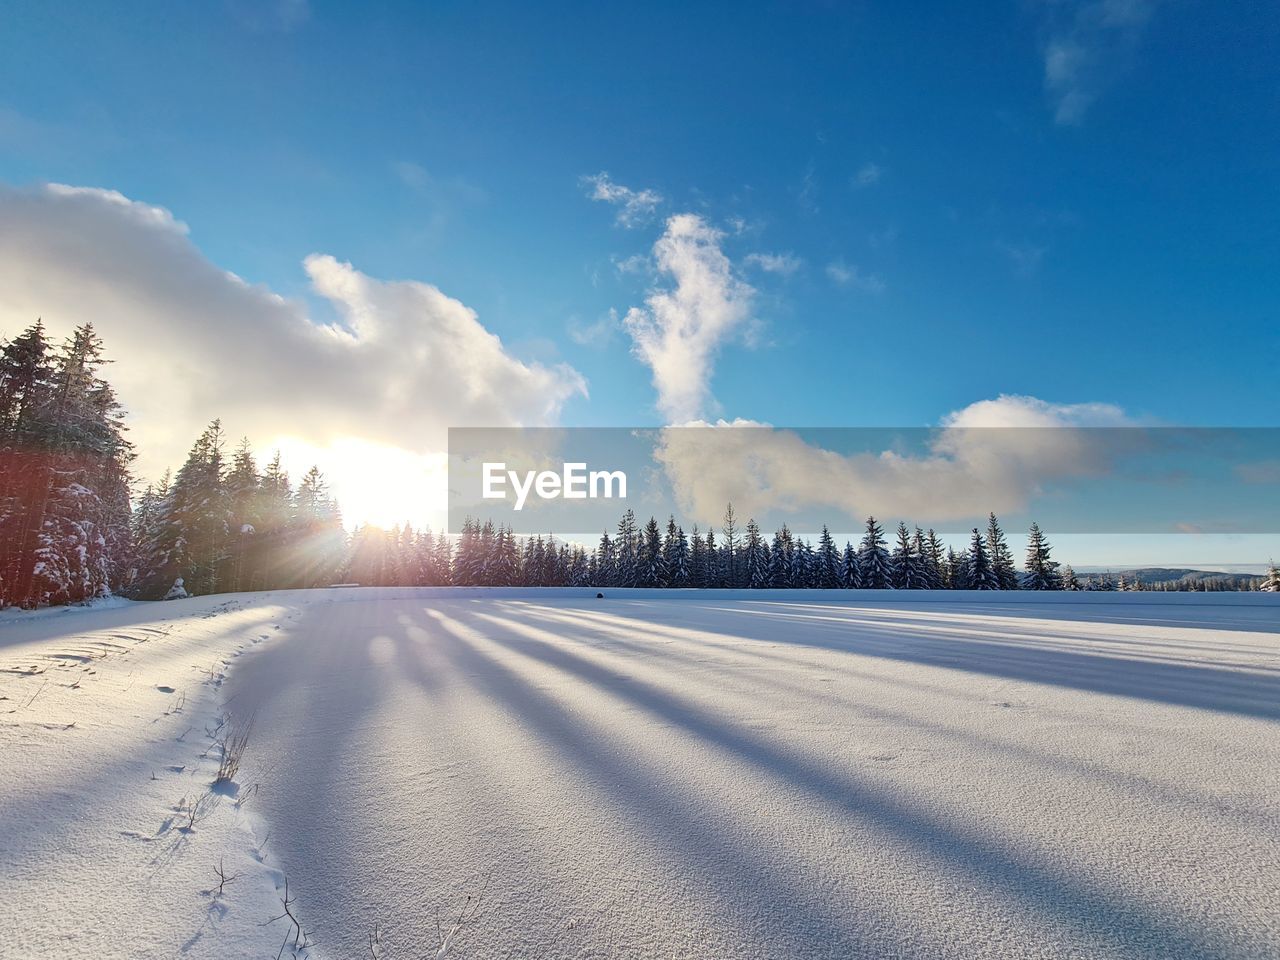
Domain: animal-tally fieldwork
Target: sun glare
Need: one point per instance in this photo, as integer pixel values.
(373, 483)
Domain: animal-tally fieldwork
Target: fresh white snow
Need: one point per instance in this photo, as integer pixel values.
(654, 774)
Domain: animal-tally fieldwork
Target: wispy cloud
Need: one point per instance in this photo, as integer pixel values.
(597, 334)
(1088, 44)
(849, 275)
(635, 207)
(681, 327)
(868, 175)
(784, 264)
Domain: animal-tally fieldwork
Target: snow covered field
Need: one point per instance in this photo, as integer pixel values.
(649, 775)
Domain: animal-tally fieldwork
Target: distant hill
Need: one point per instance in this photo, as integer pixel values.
(1153, 575)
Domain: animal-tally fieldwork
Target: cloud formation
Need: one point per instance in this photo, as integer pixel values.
(765, 470)
(681, 328)
(403, 361)
(635, 207)
(1088, 44)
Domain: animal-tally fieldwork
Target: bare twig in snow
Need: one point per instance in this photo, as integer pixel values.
(232, 745)
(36, 694)
(468, 913)
(223, 877)
(299, 937)
(203, 805)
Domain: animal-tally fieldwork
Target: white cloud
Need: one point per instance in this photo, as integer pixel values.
(781, 263)
(1088, 44)
(848, 275)
(680, 329)
(868, 175)
(193, 342)
(635, 207)
(763, 469)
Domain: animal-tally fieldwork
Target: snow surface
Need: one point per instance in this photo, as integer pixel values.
(654, 774)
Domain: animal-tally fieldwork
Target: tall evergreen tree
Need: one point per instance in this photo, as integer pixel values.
(191, 543)
(756, 554)
(873, 558)
(904, 564)
(653, 565)
(729, 565)
(936, 557)
(1000, 556)
(849, 576)
(1042, 572)
(981, 576)
(627, 550)
(780, 558)
(828, 573)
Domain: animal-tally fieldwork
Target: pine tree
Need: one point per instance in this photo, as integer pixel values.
(1042, 572)
(849, 577)
(1069, 579)
(679, 568)
(1000, 556)
(729, 565)
(904, 565)
(190, 543)
(697, 560)
(606, 562)
(936, 555)
(981, 576)
(873, 558)
(653, 565)
(780, 558)
(244, 500)
(627, 551)
(64, 472)
(317, 527)
(675, 553)
(26, 434)
(803, 565)
(828, 572)
(712, 569)
(756, 554)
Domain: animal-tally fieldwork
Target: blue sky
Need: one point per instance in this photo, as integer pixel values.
(1075, 201)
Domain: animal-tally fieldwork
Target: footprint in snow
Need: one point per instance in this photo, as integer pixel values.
(164, 689)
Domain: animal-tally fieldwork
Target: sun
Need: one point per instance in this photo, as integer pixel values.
(374, 483)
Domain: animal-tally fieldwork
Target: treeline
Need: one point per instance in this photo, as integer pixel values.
(71, 529)
(64, 472)
(742, 557)
(219, 527)
(651, 555)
